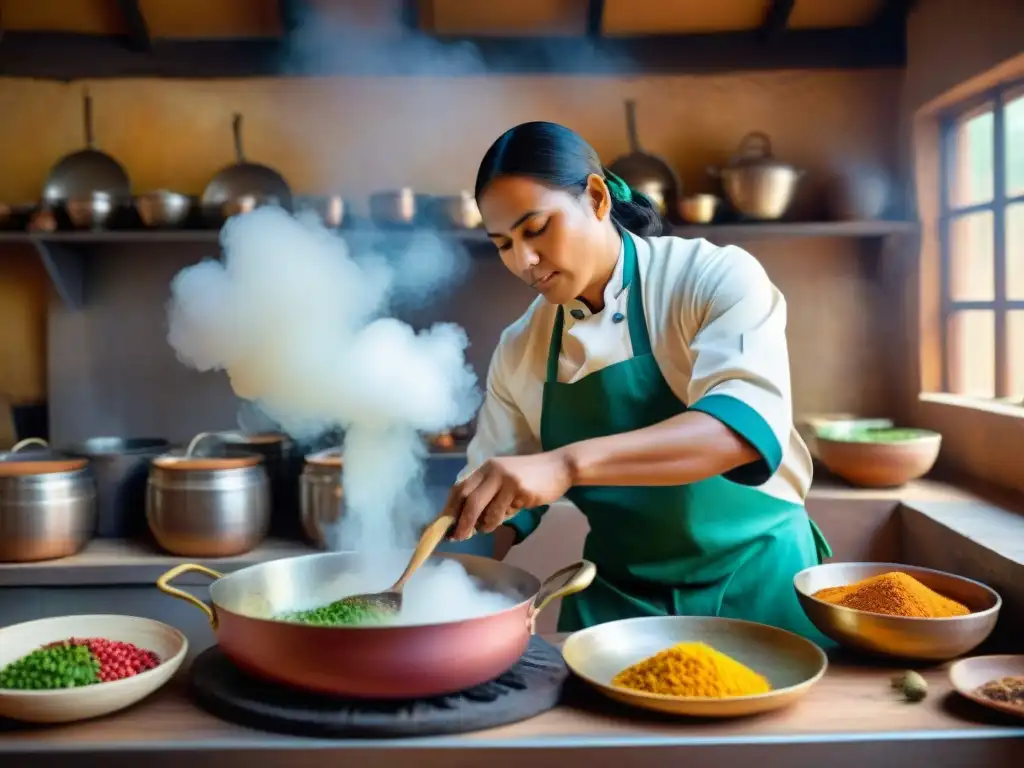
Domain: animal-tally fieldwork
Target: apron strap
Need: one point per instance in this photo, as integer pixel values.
(820, 543)
(639, 336)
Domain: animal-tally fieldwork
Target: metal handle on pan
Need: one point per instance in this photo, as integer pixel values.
(164, 585)
(568, 581)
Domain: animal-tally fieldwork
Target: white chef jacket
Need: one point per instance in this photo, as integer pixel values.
(717, 326)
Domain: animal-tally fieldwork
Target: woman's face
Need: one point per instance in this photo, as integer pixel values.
(548, 238)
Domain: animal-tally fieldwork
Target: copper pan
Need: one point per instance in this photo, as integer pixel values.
(370, 662)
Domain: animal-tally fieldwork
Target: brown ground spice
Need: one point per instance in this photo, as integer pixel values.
(893, 594)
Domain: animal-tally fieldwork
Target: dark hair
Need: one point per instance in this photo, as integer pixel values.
(559, 157)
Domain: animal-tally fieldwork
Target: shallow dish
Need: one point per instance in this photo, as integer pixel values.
(791, 663)
(70, 704)
(921, 639)
(967, 675)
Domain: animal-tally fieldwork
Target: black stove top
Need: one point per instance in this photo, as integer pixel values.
(532, 686)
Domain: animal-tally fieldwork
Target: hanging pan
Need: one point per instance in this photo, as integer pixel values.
(87, 171)
(644, 172)
(252, 183)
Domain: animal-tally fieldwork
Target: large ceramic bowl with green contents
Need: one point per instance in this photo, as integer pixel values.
(883, 457)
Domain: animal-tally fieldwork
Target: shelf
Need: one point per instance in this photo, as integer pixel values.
(64, 253)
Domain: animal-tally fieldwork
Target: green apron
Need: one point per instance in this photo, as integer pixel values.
(711, 548)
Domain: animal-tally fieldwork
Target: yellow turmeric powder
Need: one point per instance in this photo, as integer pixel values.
(692, 669)
(893, 594)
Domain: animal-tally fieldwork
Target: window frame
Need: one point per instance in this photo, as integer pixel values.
(998, 97)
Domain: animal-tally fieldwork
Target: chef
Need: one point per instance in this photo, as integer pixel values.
(648, 383)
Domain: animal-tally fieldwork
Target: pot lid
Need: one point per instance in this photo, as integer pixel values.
(220, 460)
(328, 458)
(37, 460)
(755, 151)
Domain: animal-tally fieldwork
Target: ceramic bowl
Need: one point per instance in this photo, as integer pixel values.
(70, 704)
(877, 458)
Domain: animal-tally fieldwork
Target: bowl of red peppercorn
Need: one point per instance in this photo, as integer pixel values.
(70, 668)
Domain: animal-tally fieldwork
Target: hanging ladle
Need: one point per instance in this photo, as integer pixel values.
(390, 601)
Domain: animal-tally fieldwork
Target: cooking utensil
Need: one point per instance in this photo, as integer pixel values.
(645, 172)
(214, 504)
(968, 675)
(90, 211)
(120, 467)
(756, 184)
(43, 220)
(881, 464)
(162, 208)
(698, 209)
(457, 211)
(924, 639)
(376, 662)
(791, 663)
(320, 495)
(399, 208)
(282, 461)
(244, 179)
(71, 704)
(329, 209)
(391, 599)
(47, 503)
(245, 204)
(88, 170)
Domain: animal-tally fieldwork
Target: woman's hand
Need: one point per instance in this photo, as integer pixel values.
(500, 487)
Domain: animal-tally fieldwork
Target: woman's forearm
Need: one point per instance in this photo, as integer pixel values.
(687, 448)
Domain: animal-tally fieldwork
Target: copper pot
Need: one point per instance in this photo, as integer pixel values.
(375, 662)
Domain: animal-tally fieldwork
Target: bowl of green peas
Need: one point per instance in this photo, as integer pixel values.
(69, 668)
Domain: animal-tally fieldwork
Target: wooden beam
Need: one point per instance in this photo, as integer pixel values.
(595, 18)
(776, 19)
(67, 56)
(135, 21)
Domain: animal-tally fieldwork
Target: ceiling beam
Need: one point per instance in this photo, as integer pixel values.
(68, 56)
(595, 18)
(776, 19)
(135, 22)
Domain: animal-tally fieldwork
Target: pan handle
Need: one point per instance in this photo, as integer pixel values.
(236, 129)
(164, 585)
(568, 581)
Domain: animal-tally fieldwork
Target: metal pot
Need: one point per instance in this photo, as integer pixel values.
(162, 208)
(244, 179)
(389, 662)
(120, 467)
(81, 173)
(209, 506)
(329, 209)
(756, 184)
(91, 211)
(457, 211)
(646, 173)
(47, 504)
(698, 209)
(282, 461)
(320, 494)
(399, 208)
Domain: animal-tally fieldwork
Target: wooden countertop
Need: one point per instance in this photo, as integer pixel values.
(852, 705)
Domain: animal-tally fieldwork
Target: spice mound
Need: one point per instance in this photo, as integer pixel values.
(893, 594)
(692, 669)
(341, 613)
(76, 662)
(1005, 690)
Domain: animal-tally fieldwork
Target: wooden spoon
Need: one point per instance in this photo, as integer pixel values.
(391, 599)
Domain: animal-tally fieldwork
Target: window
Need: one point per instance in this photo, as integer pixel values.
(982, 246)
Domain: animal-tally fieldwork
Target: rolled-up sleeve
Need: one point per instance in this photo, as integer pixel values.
(502, 430)
(740, 356)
